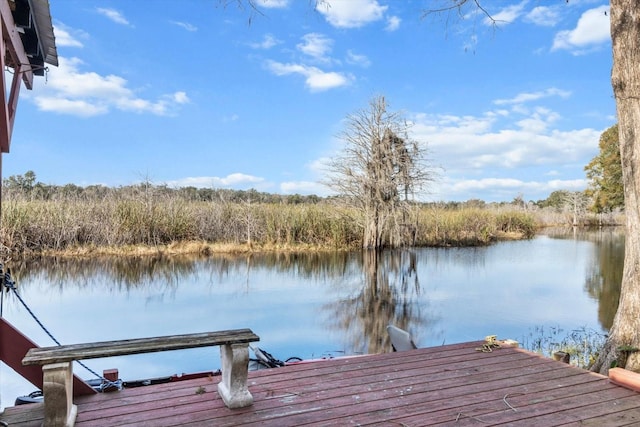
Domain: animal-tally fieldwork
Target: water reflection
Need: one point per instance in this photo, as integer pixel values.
(604, 280)
(604, 275)
(364, 292)
(386, 283)
(389, 295)
(121, 273)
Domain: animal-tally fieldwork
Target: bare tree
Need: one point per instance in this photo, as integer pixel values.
(379, 172)
(576, 203)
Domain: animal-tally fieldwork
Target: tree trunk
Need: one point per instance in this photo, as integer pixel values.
(371, 224)
(624, 336)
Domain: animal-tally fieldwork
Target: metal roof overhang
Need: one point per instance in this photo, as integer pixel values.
(33, 18)
(27, 44)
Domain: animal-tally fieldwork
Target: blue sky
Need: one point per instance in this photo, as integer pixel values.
(187, 92)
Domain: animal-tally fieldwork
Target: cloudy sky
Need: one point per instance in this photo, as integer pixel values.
(189, 92)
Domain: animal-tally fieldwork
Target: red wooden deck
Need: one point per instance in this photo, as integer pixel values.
(449, 385)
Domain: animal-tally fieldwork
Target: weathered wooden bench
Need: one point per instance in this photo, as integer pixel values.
(57, 363)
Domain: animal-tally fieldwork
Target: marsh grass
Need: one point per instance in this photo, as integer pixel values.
(471, 226)
(582, 344)
(86, 225)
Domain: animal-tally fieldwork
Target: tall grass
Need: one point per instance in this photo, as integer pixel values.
(65, 224)
(471, 226)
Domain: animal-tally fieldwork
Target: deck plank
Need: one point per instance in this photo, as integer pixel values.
(630, 417)
(481, 400)
(449, 385)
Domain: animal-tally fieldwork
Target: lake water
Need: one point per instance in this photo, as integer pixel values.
(315, 305)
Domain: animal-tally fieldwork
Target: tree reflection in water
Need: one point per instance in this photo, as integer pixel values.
(604, 279)
(604, 276)
(389, 295)
(387, 291)
(347, 298)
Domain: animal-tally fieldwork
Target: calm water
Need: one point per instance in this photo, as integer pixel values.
(313, 305)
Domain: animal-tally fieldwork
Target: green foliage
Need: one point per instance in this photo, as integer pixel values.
(605, 174)
(556, 200)
(21, 183)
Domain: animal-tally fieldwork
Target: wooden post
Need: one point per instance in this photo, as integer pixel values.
(110, 375)
(57, 387)
(562, 356)
(235, 368)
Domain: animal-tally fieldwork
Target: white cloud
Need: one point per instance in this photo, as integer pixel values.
(304, 187)
(316, 46)
(592, 31)
(355, 59)
(507, 15)
(508, 187)
(472, 143)
(74, 107)
(180, 97)
(393, 23)
(533, 96)
(64, 37)
(272, 4)
(352, 13)
(502, 153)
(113, 15)
(72, 91)
(315, 79)
(487, 183)
(544, 16)
(234, 180)
(187, 26)
(268, 41)
(539, 121)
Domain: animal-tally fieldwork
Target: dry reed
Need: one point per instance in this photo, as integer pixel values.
(82, 225)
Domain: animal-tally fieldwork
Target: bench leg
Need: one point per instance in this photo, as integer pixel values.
(235, 366)
(57, 387)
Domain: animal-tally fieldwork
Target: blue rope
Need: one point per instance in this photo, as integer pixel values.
(9, 283)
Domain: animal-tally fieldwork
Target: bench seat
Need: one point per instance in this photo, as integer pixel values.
(58, 372)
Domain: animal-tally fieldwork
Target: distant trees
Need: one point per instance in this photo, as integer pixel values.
(378, 172)
(605, 174)
(21, 186)
(23, 183)
(574, 203)
(556, 200)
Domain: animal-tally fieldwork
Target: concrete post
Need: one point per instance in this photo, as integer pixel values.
(235, 368)
(57, 387)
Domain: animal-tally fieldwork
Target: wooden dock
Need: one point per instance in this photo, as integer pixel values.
(450, 385)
